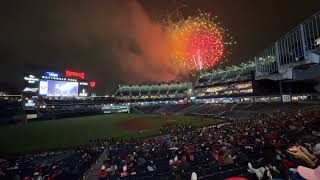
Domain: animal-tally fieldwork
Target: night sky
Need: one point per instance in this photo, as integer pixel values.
(118, 41)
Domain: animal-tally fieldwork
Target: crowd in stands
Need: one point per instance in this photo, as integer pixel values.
(61, 165)
(280, 145)
(175, 128)
(232, 110)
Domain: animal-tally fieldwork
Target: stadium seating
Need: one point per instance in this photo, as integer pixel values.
(11, 111)
(216, 152)
(51, 108)
(62, 165)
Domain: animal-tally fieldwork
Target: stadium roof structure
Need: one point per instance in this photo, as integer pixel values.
(242, 66)
(153, 83)
(300, 47)
(228, 74)
(154, 91)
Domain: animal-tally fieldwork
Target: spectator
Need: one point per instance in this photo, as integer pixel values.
(194, 176)
(303, 154)
(308, 173)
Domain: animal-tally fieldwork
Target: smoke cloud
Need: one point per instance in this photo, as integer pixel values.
(126, 35)
(113, 41)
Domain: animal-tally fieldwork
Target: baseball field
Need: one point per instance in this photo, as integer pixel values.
(71, 132)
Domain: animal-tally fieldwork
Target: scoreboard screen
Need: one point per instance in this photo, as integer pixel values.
(58, 88)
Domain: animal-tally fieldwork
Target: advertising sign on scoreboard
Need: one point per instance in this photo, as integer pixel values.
(74, 74)
(92, 84)
(51, 74)
(31, 79)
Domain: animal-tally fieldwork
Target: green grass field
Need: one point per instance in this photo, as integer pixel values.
(66, 133)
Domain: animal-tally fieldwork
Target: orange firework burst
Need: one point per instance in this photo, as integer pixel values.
(198, 43)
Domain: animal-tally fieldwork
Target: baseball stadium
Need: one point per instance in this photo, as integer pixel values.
(256, 119)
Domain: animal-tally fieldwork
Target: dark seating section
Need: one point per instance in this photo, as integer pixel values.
(236, 110)
(64, 108)
(61, 165)
(10, 111)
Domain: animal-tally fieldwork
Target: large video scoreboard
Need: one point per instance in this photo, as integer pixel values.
(58, 88)
(68, 84)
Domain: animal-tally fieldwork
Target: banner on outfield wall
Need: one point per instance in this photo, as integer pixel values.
(32, 116)
(111, 108)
